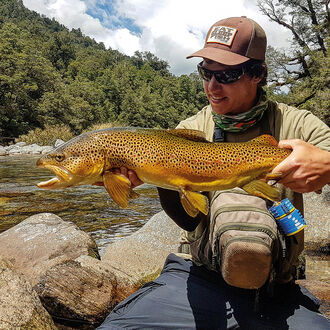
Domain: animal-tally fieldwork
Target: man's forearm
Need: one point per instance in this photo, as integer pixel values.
(170, 201)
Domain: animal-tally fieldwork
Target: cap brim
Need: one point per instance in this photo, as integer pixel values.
(220, 56)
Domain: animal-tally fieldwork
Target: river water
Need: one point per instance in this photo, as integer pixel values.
(89, 207)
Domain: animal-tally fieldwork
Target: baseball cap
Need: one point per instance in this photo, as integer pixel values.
(233, 41)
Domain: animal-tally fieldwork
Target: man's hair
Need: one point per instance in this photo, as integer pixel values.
(256, 68)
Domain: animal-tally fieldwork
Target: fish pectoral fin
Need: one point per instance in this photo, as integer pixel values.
(264, 139)
(188, 207)
(190, 134)
(193, 202)
(118, 187)
(261, 189)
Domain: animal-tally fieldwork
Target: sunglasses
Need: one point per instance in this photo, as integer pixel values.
(223, 76)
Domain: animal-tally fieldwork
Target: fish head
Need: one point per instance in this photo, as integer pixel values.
(77, 162)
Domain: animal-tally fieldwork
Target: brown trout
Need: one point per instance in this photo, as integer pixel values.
(179, 160)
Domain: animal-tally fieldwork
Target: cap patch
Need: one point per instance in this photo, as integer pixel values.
(222, 35)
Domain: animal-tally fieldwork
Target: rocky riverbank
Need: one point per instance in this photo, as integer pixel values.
(21, 148)
(52, 274)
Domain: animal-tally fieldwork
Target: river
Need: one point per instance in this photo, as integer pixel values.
(89, 207)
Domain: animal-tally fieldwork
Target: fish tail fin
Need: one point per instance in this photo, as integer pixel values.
(193, 202)
(260, 188)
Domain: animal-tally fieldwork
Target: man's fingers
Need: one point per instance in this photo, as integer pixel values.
(288, 144)
(134, 179)
(285, 167)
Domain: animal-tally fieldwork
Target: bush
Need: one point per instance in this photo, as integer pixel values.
(47, 136)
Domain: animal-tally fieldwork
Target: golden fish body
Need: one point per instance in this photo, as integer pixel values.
(180, 160)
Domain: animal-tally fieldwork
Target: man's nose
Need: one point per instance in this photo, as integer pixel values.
(214, 84)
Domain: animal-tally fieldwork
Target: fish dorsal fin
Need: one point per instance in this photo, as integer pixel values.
(264, 139)
(190, 134)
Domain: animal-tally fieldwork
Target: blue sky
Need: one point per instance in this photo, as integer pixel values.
(170, 29)
(111, 18)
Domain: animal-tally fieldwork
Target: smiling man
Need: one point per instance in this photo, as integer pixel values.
(235, 270)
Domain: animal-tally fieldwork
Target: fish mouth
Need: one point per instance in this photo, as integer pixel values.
(63, 177)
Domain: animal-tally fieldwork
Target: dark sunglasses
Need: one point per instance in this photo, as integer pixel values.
(223, 76)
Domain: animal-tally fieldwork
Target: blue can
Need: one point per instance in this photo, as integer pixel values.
(288, 218)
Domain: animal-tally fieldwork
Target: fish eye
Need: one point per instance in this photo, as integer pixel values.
(59, 157)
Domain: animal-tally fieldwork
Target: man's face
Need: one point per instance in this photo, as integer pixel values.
(233, 98)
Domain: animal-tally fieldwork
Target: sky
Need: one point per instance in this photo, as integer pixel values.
(170, 29)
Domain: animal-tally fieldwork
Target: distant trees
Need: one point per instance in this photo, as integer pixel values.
(52, 76)
(304, 69)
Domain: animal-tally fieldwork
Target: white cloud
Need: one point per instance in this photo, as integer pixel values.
(170, 29)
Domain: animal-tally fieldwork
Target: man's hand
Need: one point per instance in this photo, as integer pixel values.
(131, 175)
(306, 169)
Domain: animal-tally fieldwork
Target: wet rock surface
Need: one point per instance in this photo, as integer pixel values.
(41, 241)
(20, 306)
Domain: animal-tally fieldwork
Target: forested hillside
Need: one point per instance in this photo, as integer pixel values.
(50, 75)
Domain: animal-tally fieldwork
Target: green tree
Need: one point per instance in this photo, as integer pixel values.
(304, 69)
(24, 76)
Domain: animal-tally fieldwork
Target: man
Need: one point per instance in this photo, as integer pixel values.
(193, 291)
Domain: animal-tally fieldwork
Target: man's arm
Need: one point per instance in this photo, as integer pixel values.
(306, 169)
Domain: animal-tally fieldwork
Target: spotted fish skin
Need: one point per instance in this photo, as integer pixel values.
(180, 160)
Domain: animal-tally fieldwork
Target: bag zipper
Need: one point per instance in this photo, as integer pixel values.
(244, 207)
(247, 227)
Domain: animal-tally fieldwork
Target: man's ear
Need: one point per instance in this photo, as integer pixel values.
(256, 80)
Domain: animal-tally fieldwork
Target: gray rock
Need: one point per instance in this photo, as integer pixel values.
(142, 255)
(42, 241)
(14, 151)
(316, 214)
(12, 146)
(46, 149)
(20, 144)
(35, 149)
(3, 151)
(58, 142)
(20, 307)
(84, 289)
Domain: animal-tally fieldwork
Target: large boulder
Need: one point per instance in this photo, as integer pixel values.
(316, 214)
(142, 255)
(42, 241)
(20, 307)
(84, 289)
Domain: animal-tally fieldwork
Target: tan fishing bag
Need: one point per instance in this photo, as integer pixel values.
(241, 240)
(244, 238)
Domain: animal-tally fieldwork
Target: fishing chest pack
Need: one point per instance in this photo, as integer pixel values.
(244, 243)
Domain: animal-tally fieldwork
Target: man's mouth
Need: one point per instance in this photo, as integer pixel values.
(217, 99)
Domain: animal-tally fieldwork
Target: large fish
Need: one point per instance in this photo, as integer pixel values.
(179, 160)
